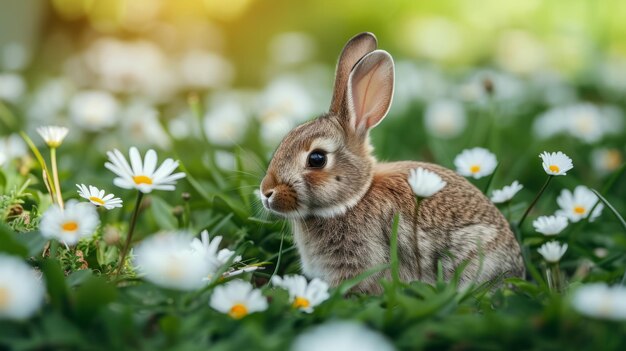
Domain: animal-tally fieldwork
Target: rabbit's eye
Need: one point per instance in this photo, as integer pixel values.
(317, 159)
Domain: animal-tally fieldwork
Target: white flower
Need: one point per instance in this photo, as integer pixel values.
(13, 147)
(303, 295)
(576, 206)
(77, 221)
(552, 251)
(94, 110)
(12, 87)
(238, 299)
(287, 97)
(98, 197)
(167, 260)
(550, 225)
(477, 162)
(601, 301)
(606, 160)
(556, 163)
(424, 182)
(226, 124)
(506, 194)
(53, 135)
(445, 118)
(208, 249)
(140, 124)
(203, 69)
(341, 336)
(21, 289)
(584, 121)
(143, 176)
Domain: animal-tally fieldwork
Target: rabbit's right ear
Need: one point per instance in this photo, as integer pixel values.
(357, 47)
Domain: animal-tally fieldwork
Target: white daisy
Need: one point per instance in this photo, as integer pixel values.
(303, 295)
(576, 206)
(552, 251)
(340, 336)
(94, 110)
(205, 70)
(601, 301)
(98, 197)
(445, 118)
(424, 182)
(142, 175)
(53, 135)
(506, 194)
(238, 299)
(556, 163)
(77, 221)
(550, 225)
(167, 260)
(13, 146)
(225, 124)
(208, 249)
(21, 289)
(477, 162)
(605, 160)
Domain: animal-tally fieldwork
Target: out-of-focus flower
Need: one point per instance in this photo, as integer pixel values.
(287, 96)
(205, 70)
(520, 53)
(94, 110)
(484, 85)
(552, 251)
(606, 160)
(238, 299)
(98, 197)
(417, 83)
(3, 158)
(209, 250)
(303, 295)
(48, 100)
(53, 135)
(340, 336)
(291, 48)
(425, 183)
(14, 56)
(601, 301)
(13, 147)
(140, 124)
(226, 124)
(225, 160)
(167, 260)
(12, 87)
(143, 175)
(21, 289)
(583, 121)
(576, 206)
(445, 118)
(556, 163)
(477, 162)
(77, 221)
(506, 193)
(550, 225)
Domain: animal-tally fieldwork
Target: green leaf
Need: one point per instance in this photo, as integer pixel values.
(33, 241)
(608, 204)
(226, 205)
(162, 213)
(78, 277)
(9, 244)
(94, 294)
(351, 283)
(55, 284)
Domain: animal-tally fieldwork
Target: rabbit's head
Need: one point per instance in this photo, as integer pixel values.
(324, 167)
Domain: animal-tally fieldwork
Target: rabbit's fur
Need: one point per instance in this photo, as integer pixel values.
(342, 213)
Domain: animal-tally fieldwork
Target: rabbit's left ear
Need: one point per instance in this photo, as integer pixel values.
(370, 90)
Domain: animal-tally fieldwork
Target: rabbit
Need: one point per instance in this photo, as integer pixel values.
(341, 202)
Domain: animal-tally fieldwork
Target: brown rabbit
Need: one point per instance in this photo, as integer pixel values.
(341, 201)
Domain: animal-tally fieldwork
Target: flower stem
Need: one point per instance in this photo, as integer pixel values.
(55, 175)
(553, 275)
(532, 204)
(131, 230)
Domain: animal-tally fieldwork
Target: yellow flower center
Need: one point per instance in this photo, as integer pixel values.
(475, 169)
(301, 302)
(579, 210)
(70, 226)
(97, 200)
(142, 179)
(238, 311)
(4, 297)
(554, 168)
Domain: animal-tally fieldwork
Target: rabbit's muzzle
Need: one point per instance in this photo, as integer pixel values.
(279, 198)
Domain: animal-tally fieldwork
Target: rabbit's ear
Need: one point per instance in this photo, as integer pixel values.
(357, 47)
(370, 90)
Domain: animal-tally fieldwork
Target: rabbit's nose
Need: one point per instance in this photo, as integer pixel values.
(268, 194)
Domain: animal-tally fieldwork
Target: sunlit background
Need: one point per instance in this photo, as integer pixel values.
(122, 72)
